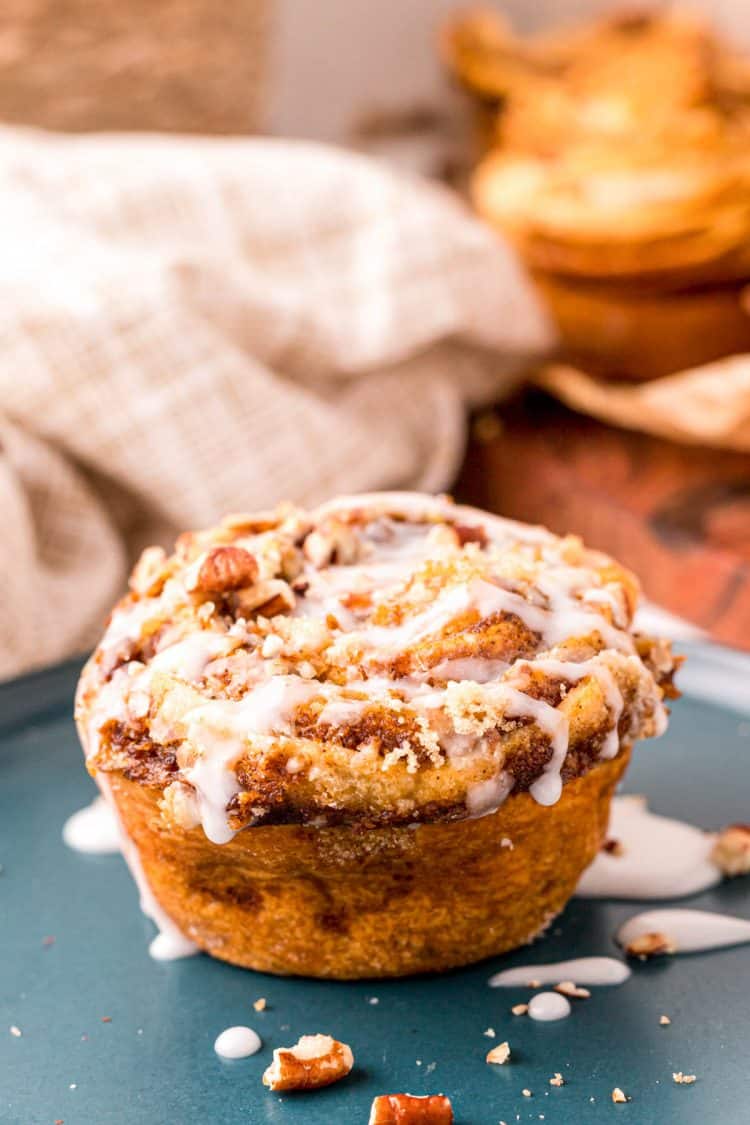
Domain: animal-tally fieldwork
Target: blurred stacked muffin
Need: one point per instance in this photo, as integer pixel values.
(617, 157)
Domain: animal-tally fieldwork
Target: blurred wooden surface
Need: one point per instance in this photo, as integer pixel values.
(171, 65)
(679, 516)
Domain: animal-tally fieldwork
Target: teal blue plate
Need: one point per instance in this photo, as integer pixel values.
(152, 1061)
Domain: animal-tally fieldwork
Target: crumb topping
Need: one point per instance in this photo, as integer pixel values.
(391, 658)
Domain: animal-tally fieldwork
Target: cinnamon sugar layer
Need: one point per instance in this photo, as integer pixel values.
(384, 659)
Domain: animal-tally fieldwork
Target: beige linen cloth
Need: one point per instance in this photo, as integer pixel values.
(194, 326)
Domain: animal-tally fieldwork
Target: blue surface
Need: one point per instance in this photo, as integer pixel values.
(154, 1063)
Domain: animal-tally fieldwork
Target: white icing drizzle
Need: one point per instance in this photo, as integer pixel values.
(547, 1006)
(188, 658)
(237, 1043)
(692, 931)
(220, 730)
(561, 601)
(548, 786)
(582, 970)
(92, 829)
(485, 797)
(170, 943)
(660, 857)
(573, 673)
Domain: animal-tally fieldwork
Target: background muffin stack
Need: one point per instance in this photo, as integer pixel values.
(617, 158)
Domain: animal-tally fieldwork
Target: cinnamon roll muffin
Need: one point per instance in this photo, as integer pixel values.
(373, 739)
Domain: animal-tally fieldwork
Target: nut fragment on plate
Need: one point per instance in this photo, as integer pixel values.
(619, 1096)
(407, 1109)
(520, 1009)
(731, 852)
(651, 945)
(499, 1055)
(557, 1079)
(664, 1021)
(570, 988)
(314, 1061)
(683, 1079)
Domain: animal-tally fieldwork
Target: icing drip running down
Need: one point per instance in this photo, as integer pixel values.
(547, 1006)
(93, 829)
(583, 970)
(350, 653)
(170, 944)
(237, 1043)
(689, 931)
(652, 857)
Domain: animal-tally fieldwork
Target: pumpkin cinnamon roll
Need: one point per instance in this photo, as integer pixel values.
(376, 738)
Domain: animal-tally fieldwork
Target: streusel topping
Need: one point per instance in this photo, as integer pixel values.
(384, 659)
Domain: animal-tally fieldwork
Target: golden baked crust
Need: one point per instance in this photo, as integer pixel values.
(343, 903)
(391, 659)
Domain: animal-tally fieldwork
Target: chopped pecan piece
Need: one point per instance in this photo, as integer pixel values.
(650, 945)
(570, 988)
(224, 569)
(150, 573)
(406, 1109)
(731, 852)
(499, 1055)
(314, 1061)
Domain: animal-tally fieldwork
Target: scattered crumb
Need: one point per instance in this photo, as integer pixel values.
(520, 1009)
(534, 983)
(15, 1031)
(490, 1033)
(613, 847)
(570, 988)
(557, 1079)
(619, 1096)
(664, 1021)
(527, 1093)
(260, 1004)
(731, 852)
(106, 1019)
(430, 1067)
(683, 1079)
(419, 1062)
(499, 1055)
(73, 1086)
(373, 1000)
(651, 945)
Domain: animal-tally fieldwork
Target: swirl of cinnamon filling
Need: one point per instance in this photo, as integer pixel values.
(385, 659)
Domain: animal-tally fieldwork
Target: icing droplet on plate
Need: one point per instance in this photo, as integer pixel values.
(583, 970)
(171, 946)
(656, 857)
(237, 1043)
(690, 931)
(93, 829)
(547, 1006)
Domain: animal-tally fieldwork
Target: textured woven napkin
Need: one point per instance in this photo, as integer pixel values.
(193, 326)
